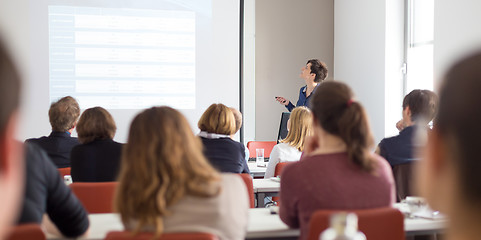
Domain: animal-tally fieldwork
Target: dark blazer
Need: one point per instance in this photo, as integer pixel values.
(45, 192)
(96, 161)
(226, 155)
(58, 146)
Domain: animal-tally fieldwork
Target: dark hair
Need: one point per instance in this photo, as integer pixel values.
(319, 68)
(458, 121)
(63, 114)
(95, 123)
(339, 115)
(422, 104)
(9, 87)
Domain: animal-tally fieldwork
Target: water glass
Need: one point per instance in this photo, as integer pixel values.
(260, 157)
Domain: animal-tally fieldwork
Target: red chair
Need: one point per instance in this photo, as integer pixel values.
(376, 224)
(96, 197)
(64, 171)
(266, 145)
(277, 172)
(247, 178)
(26, 231)
(125, 235)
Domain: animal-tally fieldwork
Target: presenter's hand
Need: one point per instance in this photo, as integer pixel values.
(282, 101)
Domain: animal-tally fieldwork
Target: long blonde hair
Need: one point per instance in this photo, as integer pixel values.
(300, 125)
(161, 163)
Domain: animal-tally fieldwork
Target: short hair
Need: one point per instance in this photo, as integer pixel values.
(422, 103)
(219, 119)
(238, 118)
(95, 123)
(319, 68)
(9, 87)
(63, 114)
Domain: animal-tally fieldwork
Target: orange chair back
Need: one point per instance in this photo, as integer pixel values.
(250, 187)
(266, 145)
(26, 231)
(376, 224)
(125, 235)
(96, 197)
(64, 171)
(279, 167)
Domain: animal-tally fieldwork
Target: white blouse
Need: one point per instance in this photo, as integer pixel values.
(281, 152)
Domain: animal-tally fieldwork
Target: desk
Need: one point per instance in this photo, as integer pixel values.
(256, 171)
(263, 188)
(261, 225)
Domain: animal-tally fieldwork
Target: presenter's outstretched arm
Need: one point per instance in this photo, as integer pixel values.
(285, 102)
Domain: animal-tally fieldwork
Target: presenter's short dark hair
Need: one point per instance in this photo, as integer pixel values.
(95, 123)
(422, 103)
(63, 114)
(319, 68)
(9, 87)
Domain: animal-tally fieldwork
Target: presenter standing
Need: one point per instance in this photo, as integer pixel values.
(313, 73)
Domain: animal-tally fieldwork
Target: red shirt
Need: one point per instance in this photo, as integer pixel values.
(332, 181)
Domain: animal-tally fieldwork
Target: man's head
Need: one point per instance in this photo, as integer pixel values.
(11, 161)
(238, 118)
(63, 114)
(316, 70)
(419, 106)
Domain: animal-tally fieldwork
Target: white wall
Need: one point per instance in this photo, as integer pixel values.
(367, 56)
(288, 33)
(456, 32)
(249, 71)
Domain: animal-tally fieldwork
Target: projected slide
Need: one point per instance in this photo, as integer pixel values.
(122, 58)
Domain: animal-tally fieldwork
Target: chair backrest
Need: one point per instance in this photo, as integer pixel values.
(403, 177)
(250, 187)
(266, 145)
(125, 235)
(376, 224)
(26, 231)
(64, 171)
(96, 197)
(279, 167)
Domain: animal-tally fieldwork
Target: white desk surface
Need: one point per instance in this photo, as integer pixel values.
(261, 224)
(255, 170)
(266, 185)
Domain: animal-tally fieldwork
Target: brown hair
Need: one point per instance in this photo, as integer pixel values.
(319, 68)
(63, 114)
(237, 117)
(339, 115)
(161, 163)
(458, 121)
(217, 119)
(9, 87)
(422, 103)
(300, 123)
(95, 123)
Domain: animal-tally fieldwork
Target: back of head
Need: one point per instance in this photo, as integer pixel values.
(219, 119)
(9, 88)
(95, 123)
(300, 125)
(238, 118)
(63, 114)
(423, 105)
(161, 163)
(336, 112)
(319, 68)
(458, 122)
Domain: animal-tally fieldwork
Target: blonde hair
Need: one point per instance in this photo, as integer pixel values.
(300, 125)
(219, 119)
(95, 123)
(161, 163)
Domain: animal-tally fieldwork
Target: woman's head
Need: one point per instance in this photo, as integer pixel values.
(314, 70)
(300, 123)
(161, 163)
(95, 123)
(450, 172)
(337, 114)
(219, 119)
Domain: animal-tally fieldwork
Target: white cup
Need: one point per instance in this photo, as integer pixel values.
(260, 157)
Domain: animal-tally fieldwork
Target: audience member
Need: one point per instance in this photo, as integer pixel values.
(11, 160)
(217, 124)
(449, 175)
(419, 108)
(290, 148)
(63, 116)
(97, 159)
(46, 193)
(238, 125)
(338, 171)
(167, 185)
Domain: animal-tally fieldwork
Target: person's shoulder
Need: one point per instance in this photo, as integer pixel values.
(381, 163)
(234, 182)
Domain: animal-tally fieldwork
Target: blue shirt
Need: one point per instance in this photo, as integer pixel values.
(400, 149)
(303, 100)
